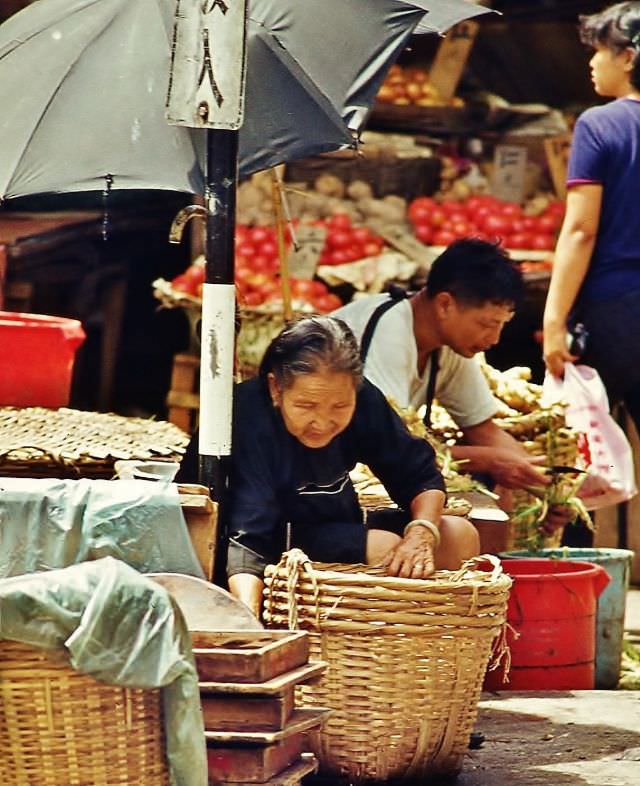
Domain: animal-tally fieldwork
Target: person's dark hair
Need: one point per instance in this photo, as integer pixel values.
(476, 272)
(308, 345)
(617, 28)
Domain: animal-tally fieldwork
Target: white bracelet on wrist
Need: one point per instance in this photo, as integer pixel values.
(433, 529)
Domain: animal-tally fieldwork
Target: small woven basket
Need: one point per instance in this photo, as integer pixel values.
(406, 660)
(62, 728)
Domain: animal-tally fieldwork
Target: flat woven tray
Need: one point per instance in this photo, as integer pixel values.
(70, 443)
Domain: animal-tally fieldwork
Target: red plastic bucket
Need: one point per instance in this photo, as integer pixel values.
(36, 359)
(552, 608)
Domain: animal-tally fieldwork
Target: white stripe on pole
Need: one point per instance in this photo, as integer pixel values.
(216, 369)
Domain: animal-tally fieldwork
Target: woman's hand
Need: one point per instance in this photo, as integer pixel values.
(414, 556)
(555, 350)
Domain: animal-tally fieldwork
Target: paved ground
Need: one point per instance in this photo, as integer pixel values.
(579, 738)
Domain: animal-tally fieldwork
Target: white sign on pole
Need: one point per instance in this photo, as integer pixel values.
(208, 64)
(216, 368)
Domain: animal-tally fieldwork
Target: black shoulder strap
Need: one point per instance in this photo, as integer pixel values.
(396, 294)
(431, 386)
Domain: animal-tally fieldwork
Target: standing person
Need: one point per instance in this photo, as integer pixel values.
(298, 429)
(596, 272)
(420, 348)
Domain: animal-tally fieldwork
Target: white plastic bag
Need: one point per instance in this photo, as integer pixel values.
(588, 412)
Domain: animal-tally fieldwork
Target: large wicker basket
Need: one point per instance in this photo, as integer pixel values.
(61, 728)
(406, 660)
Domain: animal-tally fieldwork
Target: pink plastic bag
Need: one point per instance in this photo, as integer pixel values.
(588, 412)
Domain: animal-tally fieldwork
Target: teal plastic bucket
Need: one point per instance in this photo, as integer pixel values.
(611, 603)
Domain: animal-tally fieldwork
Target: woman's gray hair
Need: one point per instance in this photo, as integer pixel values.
(309, 345)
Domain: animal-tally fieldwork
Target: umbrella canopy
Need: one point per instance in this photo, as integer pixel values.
(87, 80)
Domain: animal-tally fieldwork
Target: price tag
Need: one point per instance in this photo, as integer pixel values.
(304, 261)
(403, 241)
(451, 58)
(509, 172)
(557, 149)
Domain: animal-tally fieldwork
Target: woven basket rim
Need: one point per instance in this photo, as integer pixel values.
(371, 576)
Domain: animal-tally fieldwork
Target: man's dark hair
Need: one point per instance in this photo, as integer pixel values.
(306, 346)
(476, 272)
(617, 28)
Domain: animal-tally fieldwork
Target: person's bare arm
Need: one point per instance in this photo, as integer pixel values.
(247, 588)
(491, 450)
(571, 262)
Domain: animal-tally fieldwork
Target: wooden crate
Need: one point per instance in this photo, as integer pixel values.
(201, 516)
(248, 656)
(255, 757)
(183, 399)
(265, 706)
(307, 764)
(225, 712)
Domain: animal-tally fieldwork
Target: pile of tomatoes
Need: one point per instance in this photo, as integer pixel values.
(347, 243)
(487, 218)
(257, 274)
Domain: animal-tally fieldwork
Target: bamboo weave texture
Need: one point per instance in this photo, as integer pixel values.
(62, 728)
(406, 661)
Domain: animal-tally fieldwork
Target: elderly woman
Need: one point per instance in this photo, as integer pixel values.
(298, 429)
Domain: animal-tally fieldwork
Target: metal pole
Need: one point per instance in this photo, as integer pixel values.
(220, 203)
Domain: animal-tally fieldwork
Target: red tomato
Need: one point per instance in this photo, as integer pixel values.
(518, 240)
(495, 224)
(361, 235)
(423, 233)
(549, 223)
(269, 249)
(421, 202)
(419, 215)
(340, 221)
(461, 228)
(443, 238)
(195, 274)
(338, 257)
(372, 249)
(319, 288)
(338, 238)
(302, 287)
(260, 234)
(457, 216)
(326, 303)
(479, 214)
(252, 299)
(557, 207)
(242, 233)
(543, 242)
(354, 252)
(437, 217)
(258, 280)
(245, 249)
(183, 283)
(450, 206)
(260, 264)
(480, 200)
(511, 210)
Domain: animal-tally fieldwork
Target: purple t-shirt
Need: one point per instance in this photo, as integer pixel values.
(606, 150)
